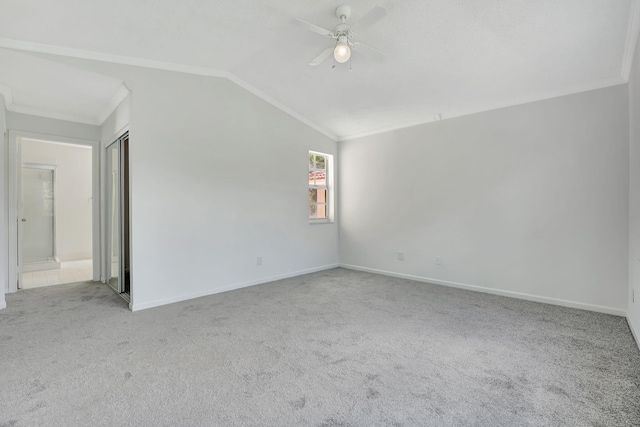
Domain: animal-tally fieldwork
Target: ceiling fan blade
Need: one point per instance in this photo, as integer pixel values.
(369, 51)
(371, 17)
(311, 27)
(320, 58)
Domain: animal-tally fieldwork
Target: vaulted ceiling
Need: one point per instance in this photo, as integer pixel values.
(444, 57)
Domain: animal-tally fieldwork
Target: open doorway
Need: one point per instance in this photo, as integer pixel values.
(55, 205)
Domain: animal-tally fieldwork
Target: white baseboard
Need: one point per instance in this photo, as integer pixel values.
(511, 294)
(635, 334)
(159, 302)
(75, 256)
(39, 266)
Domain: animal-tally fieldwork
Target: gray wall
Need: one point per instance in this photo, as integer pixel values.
(633, 308)
(4, 225)
(529, 201)
(53, 127)
(117, 123)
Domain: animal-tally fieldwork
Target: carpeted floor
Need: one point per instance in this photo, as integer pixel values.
(335, 348)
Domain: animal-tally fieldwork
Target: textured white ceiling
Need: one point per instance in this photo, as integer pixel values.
(445, 57)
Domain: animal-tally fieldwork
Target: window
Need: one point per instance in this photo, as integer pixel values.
(320, 187)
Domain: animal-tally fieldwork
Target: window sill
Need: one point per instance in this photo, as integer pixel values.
(320, 221)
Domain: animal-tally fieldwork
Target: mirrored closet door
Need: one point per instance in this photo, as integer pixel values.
(118, 266)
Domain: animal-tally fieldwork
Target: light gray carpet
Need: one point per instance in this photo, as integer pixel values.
(332, 348)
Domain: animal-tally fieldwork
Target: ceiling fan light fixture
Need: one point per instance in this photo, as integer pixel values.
(342, 34)
(342, 52)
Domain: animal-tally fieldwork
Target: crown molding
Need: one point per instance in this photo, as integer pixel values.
(632, 38)
(280, 106)
(633, 31)
(488, 107)
(107, 57)
(539, 98)
(158, 65)
(430, 118)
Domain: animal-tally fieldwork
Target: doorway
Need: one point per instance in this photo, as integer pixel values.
(55, 231)
(118, 259)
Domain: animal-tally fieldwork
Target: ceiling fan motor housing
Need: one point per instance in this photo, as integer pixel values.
(342, 30)
(343, 11)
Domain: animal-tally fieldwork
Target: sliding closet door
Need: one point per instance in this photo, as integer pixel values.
(113, 221)
(118, 253)
(124, 216)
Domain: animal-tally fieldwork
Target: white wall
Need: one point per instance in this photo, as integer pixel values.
(4, 226)
(633, 308)
(3, 113)
(115, 125)
(528, 201)
(218, 178)
(73, 194)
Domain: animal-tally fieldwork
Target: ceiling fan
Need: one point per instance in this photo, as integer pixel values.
(343, 34)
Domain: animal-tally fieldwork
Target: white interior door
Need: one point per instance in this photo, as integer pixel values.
(38, 214)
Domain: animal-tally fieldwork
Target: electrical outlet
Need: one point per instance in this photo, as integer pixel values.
(400, 256)
(259, 260)
(438, 260)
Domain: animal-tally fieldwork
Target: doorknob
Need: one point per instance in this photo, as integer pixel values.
(24, 220)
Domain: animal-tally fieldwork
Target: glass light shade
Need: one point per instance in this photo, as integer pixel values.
(342, 52)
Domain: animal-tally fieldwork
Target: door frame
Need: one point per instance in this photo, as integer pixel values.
(14, 188)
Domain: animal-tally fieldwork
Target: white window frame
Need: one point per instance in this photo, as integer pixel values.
(329, 187)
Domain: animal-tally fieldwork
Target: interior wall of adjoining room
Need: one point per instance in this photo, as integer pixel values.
(528, 201)
(633, 306)
(4, 225)
(27, 126)
(73, 194)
